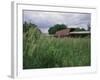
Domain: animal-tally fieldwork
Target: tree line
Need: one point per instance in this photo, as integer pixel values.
(53, 29)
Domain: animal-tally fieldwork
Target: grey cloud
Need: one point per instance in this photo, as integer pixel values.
(48, 19)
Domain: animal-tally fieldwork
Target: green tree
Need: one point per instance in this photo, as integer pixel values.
(89, 28)
(77, 29)
(26, 26)
(31, 35)
(57, 27)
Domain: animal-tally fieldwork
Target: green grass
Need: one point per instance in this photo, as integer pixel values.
(50, 52)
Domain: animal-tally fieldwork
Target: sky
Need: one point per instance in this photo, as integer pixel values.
(44, 20)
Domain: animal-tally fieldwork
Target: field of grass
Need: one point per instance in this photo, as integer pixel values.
(49, 52)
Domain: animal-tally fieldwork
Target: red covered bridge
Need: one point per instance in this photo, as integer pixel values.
(68, 32)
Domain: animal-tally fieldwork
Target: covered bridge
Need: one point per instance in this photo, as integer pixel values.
(69, 33)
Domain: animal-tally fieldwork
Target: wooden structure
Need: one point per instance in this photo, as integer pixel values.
(68, 33)
(80, 33)
(62, 33)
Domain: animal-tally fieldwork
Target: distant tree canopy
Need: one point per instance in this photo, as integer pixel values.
(57, 27)
(89, 28)
(77, 29)
(26, 26)
(31, 35)
(31, 30)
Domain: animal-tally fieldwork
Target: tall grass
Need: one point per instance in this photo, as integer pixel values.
(49, 52)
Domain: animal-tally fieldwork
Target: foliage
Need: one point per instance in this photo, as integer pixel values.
(41, 51)
(89, 28)
(57, 27)
(30, 38)
(53, 52)
(26, 26)
(77, 29)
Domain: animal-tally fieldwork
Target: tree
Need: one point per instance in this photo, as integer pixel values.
(89, 28)
(31, 35)
(26, 26)
(77, 29)
(57, 27)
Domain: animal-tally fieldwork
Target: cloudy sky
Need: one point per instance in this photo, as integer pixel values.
(45, 20)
